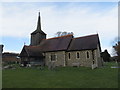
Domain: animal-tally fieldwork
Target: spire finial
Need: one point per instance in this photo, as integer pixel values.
(39, 14)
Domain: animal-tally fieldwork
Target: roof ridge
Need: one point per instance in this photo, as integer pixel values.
(86, 36)
(59, 37)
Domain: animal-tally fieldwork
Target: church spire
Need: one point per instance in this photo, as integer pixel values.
(39, 23)
(38, 35)
(38, 30)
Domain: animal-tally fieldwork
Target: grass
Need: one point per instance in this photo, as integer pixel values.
(61, 77)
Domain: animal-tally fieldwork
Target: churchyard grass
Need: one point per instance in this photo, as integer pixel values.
(61, 77)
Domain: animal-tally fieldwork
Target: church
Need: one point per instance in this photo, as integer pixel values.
(62, 51)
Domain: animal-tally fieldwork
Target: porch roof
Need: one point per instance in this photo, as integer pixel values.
(31, 51)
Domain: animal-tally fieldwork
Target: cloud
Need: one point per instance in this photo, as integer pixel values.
(20, 19)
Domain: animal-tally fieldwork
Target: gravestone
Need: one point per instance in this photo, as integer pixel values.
(51, 65)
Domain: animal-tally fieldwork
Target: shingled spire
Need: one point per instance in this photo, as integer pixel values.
(38, 30)
(38, 35)
(39, 23)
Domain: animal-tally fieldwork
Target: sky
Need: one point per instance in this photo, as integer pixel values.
(19, 19)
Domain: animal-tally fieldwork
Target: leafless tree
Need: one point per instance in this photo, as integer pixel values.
(117, 49)
(60, 33)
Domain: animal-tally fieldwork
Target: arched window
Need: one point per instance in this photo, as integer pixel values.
(88, 55)
(77, 55)
(68, 55)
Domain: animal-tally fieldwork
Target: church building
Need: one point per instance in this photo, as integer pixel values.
(62, 51)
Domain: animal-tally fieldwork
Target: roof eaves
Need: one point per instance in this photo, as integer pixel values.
(55, 50)
(82, 49)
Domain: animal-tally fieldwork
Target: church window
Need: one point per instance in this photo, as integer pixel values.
(88, 56)
(68, 55)
(77, 55)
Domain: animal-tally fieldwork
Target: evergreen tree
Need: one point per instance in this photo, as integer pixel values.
(106, 56)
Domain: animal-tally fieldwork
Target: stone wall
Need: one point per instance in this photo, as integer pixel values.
(60, 58)
(98, 57)
(94, 58)
(63, 60)
(82, 60)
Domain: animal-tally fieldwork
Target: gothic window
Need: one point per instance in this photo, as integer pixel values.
(88, 56)
(69, 55)
(77, 55)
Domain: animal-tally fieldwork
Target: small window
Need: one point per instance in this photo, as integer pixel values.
(77, 55)
(53, 57)
(88, 55)
(68, 55)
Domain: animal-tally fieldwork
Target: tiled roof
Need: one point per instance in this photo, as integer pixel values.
(7, 54)
(63, 43)
(84, 43)
(56, 43)
(31, 51)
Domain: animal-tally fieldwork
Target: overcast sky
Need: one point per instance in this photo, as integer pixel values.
(19, 19)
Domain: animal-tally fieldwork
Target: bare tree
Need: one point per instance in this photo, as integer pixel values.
(64, 33)
(60, 33)
(70, 33)
(117, 49)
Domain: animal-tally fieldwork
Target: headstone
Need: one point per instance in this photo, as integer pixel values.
(51, 65)
(76, 64)
(94, 66)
